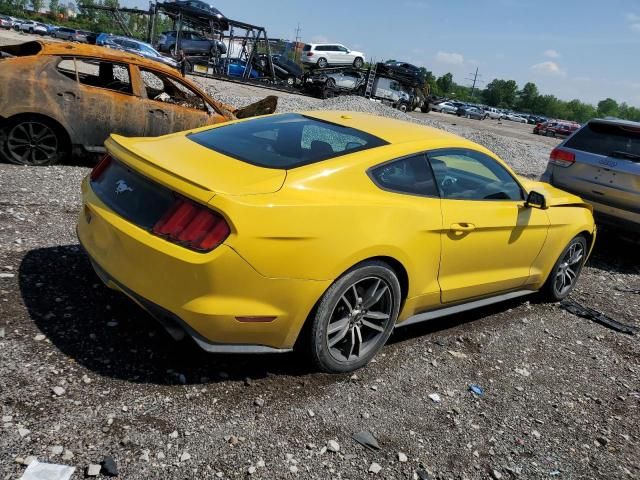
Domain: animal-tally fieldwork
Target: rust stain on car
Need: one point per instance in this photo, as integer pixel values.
(56, 96)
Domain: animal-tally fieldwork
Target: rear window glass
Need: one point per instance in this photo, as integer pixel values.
(285, 141)
(607, 139)
(306, 48)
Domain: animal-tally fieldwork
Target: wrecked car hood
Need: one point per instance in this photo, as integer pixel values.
(554, 196)
(201, 167)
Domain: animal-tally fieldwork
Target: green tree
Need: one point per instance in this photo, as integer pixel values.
(445, 83)
(36, 5)
(54, 7)
(608, 108)
(501, 93)
(527, 97)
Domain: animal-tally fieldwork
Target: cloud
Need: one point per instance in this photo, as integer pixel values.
(449, 58)
(634, 21)
(547, 68)
(551, 53)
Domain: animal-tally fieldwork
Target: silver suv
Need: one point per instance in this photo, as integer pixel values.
(601, 163)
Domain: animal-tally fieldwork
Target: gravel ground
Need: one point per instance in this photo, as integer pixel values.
(85, 374)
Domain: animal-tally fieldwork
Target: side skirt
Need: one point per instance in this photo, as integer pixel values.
(462, 307)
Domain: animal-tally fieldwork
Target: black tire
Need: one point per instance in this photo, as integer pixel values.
(322, 62)
(369, 280)
(403, 107)
(291, 80)
(33, 140)
(358, 62)
(425, 108)
(555, 288)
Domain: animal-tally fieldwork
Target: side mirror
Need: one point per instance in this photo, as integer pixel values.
(536, 200)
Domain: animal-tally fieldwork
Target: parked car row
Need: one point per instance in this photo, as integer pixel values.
(556, 128)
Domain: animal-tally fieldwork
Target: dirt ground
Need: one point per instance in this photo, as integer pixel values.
(85, 374)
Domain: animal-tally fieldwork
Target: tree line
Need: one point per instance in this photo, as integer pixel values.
(86, 19)
(506, 94)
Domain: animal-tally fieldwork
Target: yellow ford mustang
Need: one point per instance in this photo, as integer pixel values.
(322, 229)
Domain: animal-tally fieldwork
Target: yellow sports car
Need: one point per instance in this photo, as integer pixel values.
(324, 230)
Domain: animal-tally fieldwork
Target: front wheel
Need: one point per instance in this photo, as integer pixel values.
(565, 272)
(291, 80)
(354, 318)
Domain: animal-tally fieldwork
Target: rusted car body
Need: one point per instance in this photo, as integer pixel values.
(57, 96)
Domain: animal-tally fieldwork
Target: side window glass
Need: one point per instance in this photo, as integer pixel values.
(162, 88)
(409, 175)
(67, 67)
(471, 175)
(102, 74)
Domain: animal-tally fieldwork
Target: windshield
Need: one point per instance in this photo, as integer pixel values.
(285, 141)
(607, 139)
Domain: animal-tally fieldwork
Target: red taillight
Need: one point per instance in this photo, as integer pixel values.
(99, 169)
(310, 54)
(562, 158)
(192, 225)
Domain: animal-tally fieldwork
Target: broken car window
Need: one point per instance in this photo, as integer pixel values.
(67, 67)
(163, 88)
(103, 74)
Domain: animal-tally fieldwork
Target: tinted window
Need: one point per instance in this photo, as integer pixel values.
(470, 175)
(408, 175)
(605, 139)
(306, 48)
(285, 141)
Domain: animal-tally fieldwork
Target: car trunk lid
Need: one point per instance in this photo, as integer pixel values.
(200, 172)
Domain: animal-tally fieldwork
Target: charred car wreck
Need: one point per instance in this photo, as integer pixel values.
(73, 96)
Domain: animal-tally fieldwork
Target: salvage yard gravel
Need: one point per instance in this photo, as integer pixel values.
(517, 390)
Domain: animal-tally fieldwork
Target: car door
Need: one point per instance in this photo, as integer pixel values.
(490, 239)
(413, 194)
(170, 105)
(341, 56)
(100, 101)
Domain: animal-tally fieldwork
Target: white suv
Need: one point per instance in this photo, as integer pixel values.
(325, 54)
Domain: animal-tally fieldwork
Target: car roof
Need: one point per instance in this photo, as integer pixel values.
(391, 130)
(616, 121)
(95, 51)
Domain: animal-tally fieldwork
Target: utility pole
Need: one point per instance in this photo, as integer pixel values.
(475, 80)
(298, 30)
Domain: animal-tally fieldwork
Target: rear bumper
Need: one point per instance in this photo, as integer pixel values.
(199, 294)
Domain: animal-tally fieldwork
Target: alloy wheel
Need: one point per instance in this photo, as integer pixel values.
(569, 268)
(32, 143)
(359, 319)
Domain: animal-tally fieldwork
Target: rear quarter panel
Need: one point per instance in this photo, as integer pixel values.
(30, 85)
(328, 218)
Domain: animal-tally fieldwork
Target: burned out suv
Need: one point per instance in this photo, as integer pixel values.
(601, 163)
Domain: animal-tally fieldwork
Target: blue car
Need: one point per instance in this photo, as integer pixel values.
(234, 67)
(134, 46)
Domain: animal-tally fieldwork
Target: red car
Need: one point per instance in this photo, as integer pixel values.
(555, 128)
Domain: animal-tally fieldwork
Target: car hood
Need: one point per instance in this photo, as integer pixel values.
(208, 171)
(554, 196)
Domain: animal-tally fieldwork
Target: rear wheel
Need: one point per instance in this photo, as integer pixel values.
(565, 272)
(355, 318)
(32, 141)
(322, 62)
